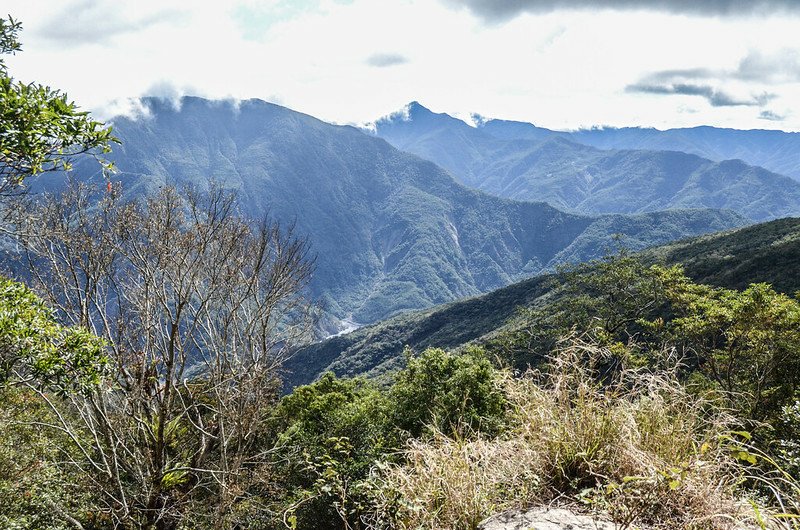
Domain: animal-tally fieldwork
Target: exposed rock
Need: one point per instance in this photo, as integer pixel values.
(543, 518)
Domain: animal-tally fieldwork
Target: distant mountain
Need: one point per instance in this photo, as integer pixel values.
(767, 252)
(523, 162)
(391, 231)
(777, 151)
(449, 142)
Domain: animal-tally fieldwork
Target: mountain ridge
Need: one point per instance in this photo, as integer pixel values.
(774, 150)
(523, 162)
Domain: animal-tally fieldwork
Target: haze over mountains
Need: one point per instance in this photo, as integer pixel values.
(777, 151)
(391, 231)
(523, 162)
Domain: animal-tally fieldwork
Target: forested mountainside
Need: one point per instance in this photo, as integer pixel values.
(767, 252)
(522, 162)
(390, 231)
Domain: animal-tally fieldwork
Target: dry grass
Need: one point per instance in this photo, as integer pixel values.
(639, 448)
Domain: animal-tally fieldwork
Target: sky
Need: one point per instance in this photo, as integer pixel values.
(560, 64)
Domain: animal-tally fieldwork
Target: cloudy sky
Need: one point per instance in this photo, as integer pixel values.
(560, 64)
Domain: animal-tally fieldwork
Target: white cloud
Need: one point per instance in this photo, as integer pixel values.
(98, 22)
(132, 107)
(385, 60)
(558, 69)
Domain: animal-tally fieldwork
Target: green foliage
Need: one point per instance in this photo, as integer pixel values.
(40, 129)
(767, 252)
(9, 44)
(747, 342)
(330, 435)
(640, 447)
(788, 443)
(38, 485)
(612, 299)
(35, 348)
(377, 350)
(448, 393)
(615, 295)
(335, 432)
(333, 408)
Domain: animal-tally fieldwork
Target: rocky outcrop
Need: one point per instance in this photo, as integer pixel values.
(544, 519)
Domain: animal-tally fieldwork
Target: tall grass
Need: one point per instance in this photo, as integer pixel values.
(638, 447)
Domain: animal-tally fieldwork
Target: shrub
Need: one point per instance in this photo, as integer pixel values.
(40, 487)
(448, 393)
(330, 434)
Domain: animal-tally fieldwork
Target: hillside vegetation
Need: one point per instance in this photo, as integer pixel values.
(645, 406)
(644, 386)
(767, 252)
(141, 366)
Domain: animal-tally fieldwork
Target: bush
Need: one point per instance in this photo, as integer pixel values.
(448, 393)
(40, 487)
(746, 342)
(331, 433)
(788, 443)
(335, 432)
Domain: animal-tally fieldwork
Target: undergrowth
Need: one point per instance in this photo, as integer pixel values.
(639, 448)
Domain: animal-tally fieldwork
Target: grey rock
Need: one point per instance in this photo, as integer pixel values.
(543, 518)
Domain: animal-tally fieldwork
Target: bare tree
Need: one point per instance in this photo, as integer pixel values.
(198, 308)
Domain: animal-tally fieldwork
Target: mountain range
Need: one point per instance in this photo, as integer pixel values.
(777, 151)
(520, 161)
(390, 231)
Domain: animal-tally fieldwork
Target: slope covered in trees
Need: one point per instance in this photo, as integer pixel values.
(767, 252)
(612, 418)
(140, 389)
(645, 406)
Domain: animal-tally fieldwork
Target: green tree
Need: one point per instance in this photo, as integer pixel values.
(332, 432)
(788, 443)
(40, 128)
(746, 342)
(37, 491)
(743, 343)
(40, 357)
(36, 350)
(612, 299)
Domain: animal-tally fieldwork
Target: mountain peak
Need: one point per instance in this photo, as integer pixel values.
(414, 114)
(416, 108)
(409, 112)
